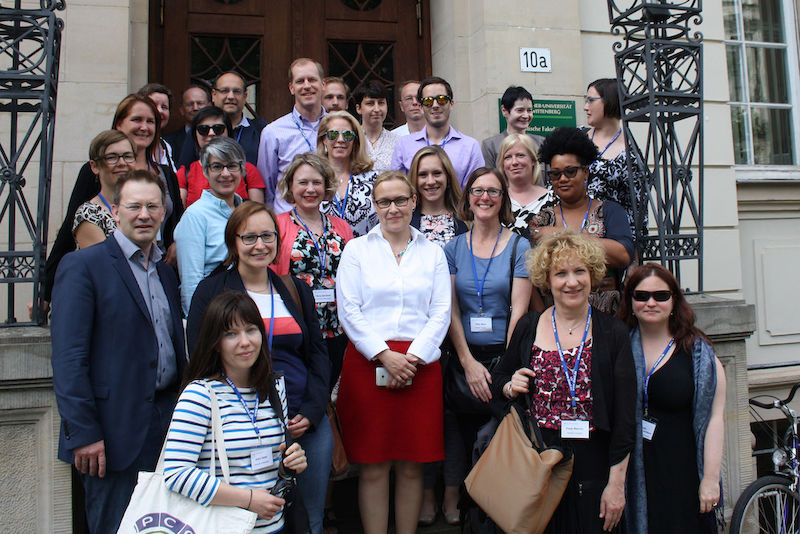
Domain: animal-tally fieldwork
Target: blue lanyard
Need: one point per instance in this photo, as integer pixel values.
(585, 216)
(648, 375)
(340, 206)
(600, 155)
(252, 415)
(479, 287)
(321, 253)
(105, 201)
(299, 129)
(239, 135)
(572, 379)
(271, 316)
(444, 141)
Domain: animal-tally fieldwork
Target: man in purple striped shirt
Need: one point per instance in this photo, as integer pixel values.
(436, 97)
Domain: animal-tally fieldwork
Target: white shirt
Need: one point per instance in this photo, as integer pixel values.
(380, 300)
(401, 130)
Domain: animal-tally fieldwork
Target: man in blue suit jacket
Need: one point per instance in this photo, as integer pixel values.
(118, 352)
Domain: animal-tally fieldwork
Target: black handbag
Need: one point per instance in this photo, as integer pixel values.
(457, 395)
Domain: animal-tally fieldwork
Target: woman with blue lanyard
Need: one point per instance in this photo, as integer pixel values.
(608, 173)
(568, 154)
(491, 292)
(572, 367)
(111, 155)
(341, 140)
(312, 244)
(293, 338)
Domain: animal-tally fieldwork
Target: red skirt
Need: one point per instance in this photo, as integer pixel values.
(381, 424)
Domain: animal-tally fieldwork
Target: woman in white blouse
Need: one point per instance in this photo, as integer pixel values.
(393, 295)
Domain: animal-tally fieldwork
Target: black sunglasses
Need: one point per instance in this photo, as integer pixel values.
(569, 172)
(659, 296)
(203, 129)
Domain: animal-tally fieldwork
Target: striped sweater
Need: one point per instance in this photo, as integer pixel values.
(188, 450)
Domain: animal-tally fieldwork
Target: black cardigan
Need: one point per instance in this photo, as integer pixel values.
(613, 376)
(315, 352)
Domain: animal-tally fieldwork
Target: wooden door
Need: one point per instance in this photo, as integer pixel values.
(359, 40)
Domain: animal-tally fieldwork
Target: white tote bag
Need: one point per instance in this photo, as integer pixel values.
(156, 508)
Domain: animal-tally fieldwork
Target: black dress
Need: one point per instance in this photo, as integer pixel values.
(670, 460)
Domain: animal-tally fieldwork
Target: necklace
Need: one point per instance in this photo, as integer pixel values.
(571, 328)
(400, 254)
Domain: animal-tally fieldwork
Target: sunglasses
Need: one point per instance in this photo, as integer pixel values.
(659, 296)
(347, 135)
(440, 99)
(569, 172)
(203, 129)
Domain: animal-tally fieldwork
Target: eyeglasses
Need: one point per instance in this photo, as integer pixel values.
(225, 90)
(569, 172)
(659, 296)
(590, 99)
(112, 159)
(386, 202)
(440, 99)
(203, 129)
(250, 239)
(347, 135)
(137, 208)
(479, 191)
(233, 167)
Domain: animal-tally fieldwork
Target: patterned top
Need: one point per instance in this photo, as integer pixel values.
(96, 215)
(524, 214)
(607, 182)
(358, 210)
(381, 152)
(551, 401)
(439, 229)
(595, 222)
(304, 264)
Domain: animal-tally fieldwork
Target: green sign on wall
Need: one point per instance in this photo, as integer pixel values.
(547, 116)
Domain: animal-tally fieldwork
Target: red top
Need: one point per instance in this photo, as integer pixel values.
(198, 181)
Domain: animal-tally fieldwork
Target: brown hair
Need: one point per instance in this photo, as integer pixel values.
(316, 162)
(465, 211)
(138, 176)
(124, 109)
(239, 217)
(103, 140)
(360, 162)
(452, 192)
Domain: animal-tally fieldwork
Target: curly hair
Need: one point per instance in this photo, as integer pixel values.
(681, 320)
(563, 246)
(567, 140)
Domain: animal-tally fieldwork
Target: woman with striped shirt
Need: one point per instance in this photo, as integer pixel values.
(231, 361)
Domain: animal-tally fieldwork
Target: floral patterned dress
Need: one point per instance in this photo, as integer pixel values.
(439, 229)
(524, 214)
(304, 263)
(356, 207)
(96, 215)
(607, 182)
(551, 401)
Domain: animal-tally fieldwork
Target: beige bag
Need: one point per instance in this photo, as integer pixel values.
(516, 481)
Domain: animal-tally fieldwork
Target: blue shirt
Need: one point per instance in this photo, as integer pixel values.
(200, 241)
(496, 295)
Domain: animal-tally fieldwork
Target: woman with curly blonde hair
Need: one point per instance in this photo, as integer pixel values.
(572, 365)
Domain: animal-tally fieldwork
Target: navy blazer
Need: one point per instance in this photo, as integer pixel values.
(315, 351)
(105, 352)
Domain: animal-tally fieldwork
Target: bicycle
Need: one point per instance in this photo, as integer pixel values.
(770, 504)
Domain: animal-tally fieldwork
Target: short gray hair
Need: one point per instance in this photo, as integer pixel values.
(226, 150)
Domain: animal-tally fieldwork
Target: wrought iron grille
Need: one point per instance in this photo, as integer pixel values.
(358, 62)
(659, 67)
(29, 54)
(212, 55)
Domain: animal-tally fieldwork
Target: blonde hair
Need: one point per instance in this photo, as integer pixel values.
(527, 142)
(360, 162)
(393, 175)
(563, 246)
(316, 162)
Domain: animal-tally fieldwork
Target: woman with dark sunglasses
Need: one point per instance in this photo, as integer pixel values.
(674, 475)
(341, 140)
(208, 123)
(568, 154)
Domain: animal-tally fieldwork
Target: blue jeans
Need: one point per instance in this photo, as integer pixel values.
(313, 482)
(108, 497)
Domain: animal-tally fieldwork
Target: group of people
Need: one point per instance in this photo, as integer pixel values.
(321, 254)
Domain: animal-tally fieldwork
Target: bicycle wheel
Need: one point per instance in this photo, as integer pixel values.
(767, 506)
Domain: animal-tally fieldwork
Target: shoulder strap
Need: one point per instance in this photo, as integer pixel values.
(288, 281)
(277, 406)
(511, 279)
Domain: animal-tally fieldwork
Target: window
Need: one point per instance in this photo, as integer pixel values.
(760, 41)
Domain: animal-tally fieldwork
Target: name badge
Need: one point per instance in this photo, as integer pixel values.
(480, 323)
(648, 428)
(575, 428)
(261, 458)
(322, 296)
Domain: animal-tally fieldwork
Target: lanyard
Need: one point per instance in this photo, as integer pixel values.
(585, 215)
(340, 206)
(104, 201)
(321, 252)
(600, 155)
(479, 287)
(271, 315)
(299, 129)
(648, 375)
(572, 379)
(252, 415)
(239, 135)
(444, 141)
